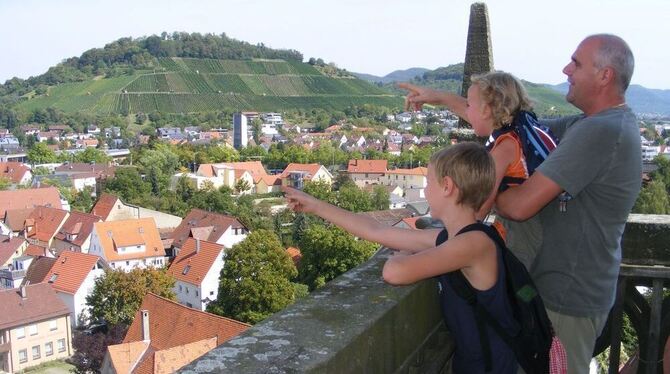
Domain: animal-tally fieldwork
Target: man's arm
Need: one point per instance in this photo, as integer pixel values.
(522, 202)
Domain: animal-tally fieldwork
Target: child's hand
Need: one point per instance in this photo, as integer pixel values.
(417, 96)
(299, 201)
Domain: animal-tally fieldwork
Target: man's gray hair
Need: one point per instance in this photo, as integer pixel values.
(615, 53)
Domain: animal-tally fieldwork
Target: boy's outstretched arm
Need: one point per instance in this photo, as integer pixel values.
(360, 225)
(522, 202)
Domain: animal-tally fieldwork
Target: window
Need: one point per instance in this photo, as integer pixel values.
(21, 332)
(180, 288)
(186, 290)
(53, 278)
(36, 352)
(186, 269)
(196, 293)
(211, 293)
(23, 356)
(48, 348)
(53, 325)
(33, 329)
(61, 345)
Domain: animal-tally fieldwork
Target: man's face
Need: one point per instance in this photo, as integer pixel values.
(582, 74)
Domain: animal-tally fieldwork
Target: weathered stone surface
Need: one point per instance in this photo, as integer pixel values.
(356, 323)
(646, 240)
(478, 53)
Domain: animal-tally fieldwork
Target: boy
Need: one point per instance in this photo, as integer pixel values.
(460, 180)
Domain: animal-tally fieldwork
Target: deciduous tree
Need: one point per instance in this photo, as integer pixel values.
(117, 295)
(256, 279)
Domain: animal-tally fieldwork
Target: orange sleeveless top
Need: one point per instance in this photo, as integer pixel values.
(516, 169)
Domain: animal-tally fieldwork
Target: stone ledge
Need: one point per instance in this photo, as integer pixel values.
(646, 240)
(355, 323)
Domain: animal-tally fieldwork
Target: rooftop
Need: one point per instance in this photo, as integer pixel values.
(41, 303)
(192, 264)
(29, 198)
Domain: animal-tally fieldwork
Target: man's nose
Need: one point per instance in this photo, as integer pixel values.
(567, 70)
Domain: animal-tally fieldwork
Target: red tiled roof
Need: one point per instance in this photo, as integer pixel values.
(310, 169)
(104, 205)
(295, 254)
(411, 222)
(198, 218)
(79, 224)
(172, 324)
(128, 232)
(14, 171)
(70, 270)
(35, 250)
(15, 218)
(191, 266)
(9, 247)
(367, 166)
(416, 171)
(29, 198)
(46, 222)
(255, 168)
(38, 270)
(40, 303)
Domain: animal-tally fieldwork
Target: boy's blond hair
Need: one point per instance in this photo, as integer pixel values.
(471, 168)
(504, 93)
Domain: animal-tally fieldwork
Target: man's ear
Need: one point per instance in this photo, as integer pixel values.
(607, 76)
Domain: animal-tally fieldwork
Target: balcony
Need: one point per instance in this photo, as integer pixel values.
(12, 274)
(359, 324)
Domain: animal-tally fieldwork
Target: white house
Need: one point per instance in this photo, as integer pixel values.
(305, 172)
(208, 226)
(196, 269)
(73, 278)
(128, 244)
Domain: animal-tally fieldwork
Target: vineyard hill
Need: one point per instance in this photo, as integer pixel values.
(187, 85)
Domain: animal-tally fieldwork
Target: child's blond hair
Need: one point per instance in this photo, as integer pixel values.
(504, 93)
(471, 168)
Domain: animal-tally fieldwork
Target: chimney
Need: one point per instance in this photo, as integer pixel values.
(145, 325)
(197, 245)
(22, 290)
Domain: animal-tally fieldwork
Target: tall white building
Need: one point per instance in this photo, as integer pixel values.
(240, 129)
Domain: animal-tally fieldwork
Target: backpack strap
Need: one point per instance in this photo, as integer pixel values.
(465, 291)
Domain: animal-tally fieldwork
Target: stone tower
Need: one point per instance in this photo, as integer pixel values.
(478, 53)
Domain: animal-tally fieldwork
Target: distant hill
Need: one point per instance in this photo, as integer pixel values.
(198, 85)
(642, 100)
(395, 76)
(449, 78)
(187, 73)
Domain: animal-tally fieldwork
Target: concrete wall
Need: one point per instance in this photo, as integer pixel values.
(356, 323)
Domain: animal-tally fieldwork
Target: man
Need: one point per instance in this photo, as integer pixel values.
(584, 192)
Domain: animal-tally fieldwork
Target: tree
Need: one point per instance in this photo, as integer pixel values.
(40, 153)
(92, 155)
(352, 198)
(653, 199)
(83, 200)
(327, 252)
(242, 186)
(380, 198)
(90, 349)
(256, 279)
(5, 183)
(128, 184)
(117, 295)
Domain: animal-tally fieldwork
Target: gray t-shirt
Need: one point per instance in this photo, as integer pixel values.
(599, 163)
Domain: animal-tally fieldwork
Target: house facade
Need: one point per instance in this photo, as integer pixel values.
(73, 277)
(34, 328)
(128, 244)
(197, 269)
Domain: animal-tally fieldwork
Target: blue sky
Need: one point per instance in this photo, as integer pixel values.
(532, 39)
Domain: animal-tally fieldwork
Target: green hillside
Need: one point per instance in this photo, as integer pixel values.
(187, 85)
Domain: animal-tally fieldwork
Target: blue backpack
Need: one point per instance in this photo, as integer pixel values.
(536, 140)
